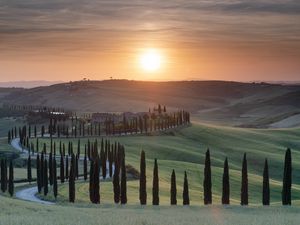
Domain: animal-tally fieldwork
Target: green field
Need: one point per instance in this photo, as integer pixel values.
(184, 149)
(14, 211)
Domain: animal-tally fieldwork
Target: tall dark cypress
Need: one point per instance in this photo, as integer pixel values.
(155, 185)
(76, 167)
(287, 179)
(42, 169)
(37, 145)
(173, 191)
(78, 148)
(207, 180)
(67, 167)
(91, 181)
(62, 169)
(123, 183)
(244, 188)
(50, 169)
(96, 183)
(35, 132)
(29, 176)
(226, 186)
(54, 178)
(11, 179)
(85, 167)
(9, 137)
(116, 182)
(3, 175)
(45, 177)
(103, 162)
(38, 173)
(72, 179)
(266, 185)
(185, 194)
(143, 188)
(110, 161)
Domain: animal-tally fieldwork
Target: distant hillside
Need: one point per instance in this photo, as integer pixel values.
(28, 84)
(232, 103)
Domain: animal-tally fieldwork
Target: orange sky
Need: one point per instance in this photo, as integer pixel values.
(70, 40)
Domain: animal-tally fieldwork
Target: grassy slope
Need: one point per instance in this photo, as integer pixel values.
(220, 102)
(19, 212)
(185, 150)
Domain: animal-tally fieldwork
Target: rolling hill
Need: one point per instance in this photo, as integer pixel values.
(219, 102)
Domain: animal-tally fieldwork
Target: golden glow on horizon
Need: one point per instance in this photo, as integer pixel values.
(151, 60)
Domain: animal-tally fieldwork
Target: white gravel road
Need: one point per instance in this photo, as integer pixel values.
(29, 194)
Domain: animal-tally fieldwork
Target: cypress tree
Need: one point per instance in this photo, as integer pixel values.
(50, 169)
(37, 145)
(85, 167)
(155, 185)
(143, 190)
(3, 171)
(226, 186)
(123, 183)
(78, 148)
(244, 188)
(91, 181)
(72, 180)
(45, 177)
(44, 148)
(76, 167)
(185, 194)
(29, 176)
(110, 161)
(54, 178)
(5, 175)
(266, 185)
(207, 180)
(67, 167)
(116, 183)
(11, 179)
(287, 179)
(62, 169)
(173, 190)
(103, 162)
(42, 169)
(96, 184)
(38, 173)
(9, 137)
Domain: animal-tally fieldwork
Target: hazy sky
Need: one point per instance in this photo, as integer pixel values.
(197, 39)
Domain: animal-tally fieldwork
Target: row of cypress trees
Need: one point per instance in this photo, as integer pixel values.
(120, 187)
(117, 158)
(207, 183)
(140, 124)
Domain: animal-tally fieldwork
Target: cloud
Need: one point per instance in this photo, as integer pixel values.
(105, 25)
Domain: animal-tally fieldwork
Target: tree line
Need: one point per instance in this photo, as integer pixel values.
(80, 128)
(119, 178)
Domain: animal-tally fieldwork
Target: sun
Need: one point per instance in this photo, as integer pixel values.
(150, 60)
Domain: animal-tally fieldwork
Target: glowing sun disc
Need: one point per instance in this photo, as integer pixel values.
(150, 60)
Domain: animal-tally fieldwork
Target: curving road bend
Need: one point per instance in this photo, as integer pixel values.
(29, 194)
